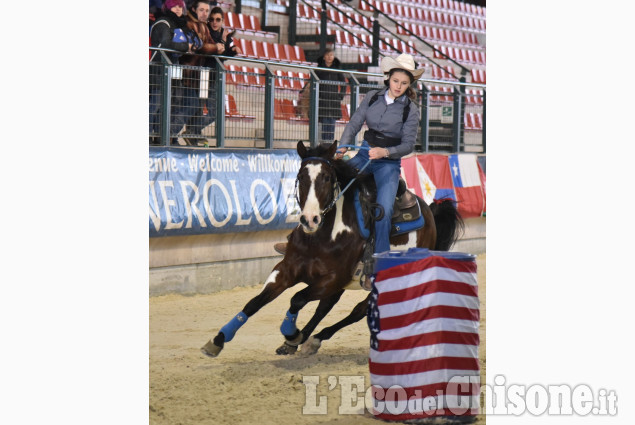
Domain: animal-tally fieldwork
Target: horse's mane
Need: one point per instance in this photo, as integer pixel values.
(344, 172)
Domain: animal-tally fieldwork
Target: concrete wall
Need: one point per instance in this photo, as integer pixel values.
(209, 263)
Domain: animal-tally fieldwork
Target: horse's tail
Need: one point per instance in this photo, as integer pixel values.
(448, 222)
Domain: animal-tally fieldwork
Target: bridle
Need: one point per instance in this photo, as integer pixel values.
(336, 193)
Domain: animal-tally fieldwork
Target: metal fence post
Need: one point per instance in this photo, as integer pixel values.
(425, 124)
(220, 104)
(354, 83)
(313, 110)
(269, 107)
(166, 104)
(323, 31)
(484, 121)
(457, 120)
(376, 38)
(293, 11)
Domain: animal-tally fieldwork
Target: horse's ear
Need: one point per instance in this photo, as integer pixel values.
(301, 149)
(332, 149)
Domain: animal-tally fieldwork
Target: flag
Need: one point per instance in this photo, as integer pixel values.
(467, 184)
(417, 179)
(424, 321)
(437, 169)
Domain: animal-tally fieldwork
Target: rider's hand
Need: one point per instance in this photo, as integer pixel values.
(340, 153)
(378, 153)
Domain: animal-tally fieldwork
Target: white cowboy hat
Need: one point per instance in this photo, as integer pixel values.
(403, 61)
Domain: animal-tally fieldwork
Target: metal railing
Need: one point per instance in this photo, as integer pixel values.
(261, 104)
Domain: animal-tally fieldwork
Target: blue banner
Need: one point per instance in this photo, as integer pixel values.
(194, 191)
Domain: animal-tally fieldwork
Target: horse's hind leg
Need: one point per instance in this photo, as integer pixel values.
(275, 284)
(312, 345)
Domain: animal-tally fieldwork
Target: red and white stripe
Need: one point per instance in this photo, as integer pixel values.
(428, 339)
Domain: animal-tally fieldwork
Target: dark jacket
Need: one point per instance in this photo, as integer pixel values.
(162, 34)
(191, 77)
(330, 94)
(230, 48)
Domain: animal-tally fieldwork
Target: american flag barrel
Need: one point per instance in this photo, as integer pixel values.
(424, 319)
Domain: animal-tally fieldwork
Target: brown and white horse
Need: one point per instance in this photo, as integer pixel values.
(325, 249)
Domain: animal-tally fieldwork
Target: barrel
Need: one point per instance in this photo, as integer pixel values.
(424, 320)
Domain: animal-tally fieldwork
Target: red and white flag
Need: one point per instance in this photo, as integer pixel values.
(424, 321)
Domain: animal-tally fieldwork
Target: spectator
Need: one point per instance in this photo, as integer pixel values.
(200, 111)
(170, 32)
(329, 109)
(222, 35)
(392, 118)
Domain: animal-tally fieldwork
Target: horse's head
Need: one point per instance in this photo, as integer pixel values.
(316, 184)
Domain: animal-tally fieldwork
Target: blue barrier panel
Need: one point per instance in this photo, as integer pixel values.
(194, 191)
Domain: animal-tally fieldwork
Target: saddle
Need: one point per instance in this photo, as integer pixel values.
(406, 215)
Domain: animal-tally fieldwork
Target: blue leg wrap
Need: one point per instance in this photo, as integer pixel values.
(288, 324)
(229, 330)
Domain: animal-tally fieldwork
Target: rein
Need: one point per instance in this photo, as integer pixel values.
(330, 206)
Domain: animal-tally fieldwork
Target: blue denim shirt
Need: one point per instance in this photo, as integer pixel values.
(387, 119)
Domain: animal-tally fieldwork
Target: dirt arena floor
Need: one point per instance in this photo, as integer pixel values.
(248, 383)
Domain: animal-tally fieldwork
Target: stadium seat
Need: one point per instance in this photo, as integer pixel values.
(230, 76)
(278, 113)
(346, 115)
(259, 49)
(231, 110)
(247, 48)
(231, 20)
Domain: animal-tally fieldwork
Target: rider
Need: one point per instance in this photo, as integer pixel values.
(391, 135)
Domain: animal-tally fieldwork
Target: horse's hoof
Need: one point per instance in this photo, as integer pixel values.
(311, 346)
(210, 349)
(286, 349)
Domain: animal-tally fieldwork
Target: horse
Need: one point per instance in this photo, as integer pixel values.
(324, 250)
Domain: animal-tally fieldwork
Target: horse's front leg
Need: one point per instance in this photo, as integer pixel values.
(278, 281)
(324, 290)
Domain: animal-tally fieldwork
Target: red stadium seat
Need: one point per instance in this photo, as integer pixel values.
(346, 115)
(231, 21)
(247, 47)
(259, 49)
(231, 110)
(478, 121)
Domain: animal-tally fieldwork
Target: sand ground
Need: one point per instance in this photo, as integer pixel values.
(248, 383)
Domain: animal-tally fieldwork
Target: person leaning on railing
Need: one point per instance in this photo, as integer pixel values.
(170, 32)
(329, 109)
(199, 112)
(222, 36)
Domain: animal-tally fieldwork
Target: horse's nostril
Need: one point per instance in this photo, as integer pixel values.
(315, 219)
(303, 220)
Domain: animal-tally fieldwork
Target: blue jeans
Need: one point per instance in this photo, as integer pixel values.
(193, 110)
(176, 114)
(386, 173)
(328, 129)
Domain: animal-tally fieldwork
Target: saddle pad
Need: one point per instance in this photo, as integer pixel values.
(363, 230)
(406, 226)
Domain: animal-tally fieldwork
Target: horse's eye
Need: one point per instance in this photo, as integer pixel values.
(327, 178)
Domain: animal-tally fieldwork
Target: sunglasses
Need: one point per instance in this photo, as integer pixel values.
(216, 19)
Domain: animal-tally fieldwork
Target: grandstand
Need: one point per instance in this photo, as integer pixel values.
(258, 92)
